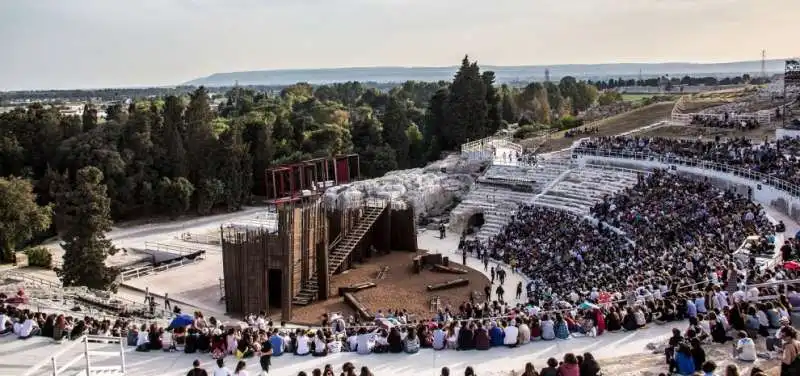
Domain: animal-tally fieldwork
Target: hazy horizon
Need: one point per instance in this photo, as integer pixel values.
(96, 43)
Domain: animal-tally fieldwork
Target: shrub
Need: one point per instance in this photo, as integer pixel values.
(526, 131)
(39, 256)
(569, 122)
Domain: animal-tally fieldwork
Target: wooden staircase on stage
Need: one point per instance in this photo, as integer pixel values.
(339, 251)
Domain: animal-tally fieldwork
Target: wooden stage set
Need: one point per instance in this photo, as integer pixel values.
(264, 268)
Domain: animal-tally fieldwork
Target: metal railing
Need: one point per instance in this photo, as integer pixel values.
(54, 366)
(200, 238)
(148, 270)
(170, 248)
(76, 294)
(483, 143)
(765, 179)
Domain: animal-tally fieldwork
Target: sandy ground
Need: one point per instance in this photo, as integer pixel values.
(401, 288)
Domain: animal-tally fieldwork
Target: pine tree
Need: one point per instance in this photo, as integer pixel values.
(435, 124)
(395, 124)
(86, 210)
(494, 114)
(89, 117)
(510, 112)
(199, 137)
(232, 155)
(466, 108)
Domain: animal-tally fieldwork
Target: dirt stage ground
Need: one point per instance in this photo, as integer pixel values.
(401, 288)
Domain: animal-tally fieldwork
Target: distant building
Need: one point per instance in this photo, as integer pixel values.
(546, 75)
(71, 110)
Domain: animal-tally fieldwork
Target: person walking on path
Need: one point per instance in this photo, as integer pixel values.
(167, 305)
(499, 291)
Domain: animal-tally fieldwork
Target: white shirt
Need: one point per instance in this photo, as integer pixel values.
(221, 372)
(319, 346)
(365, 343)
(763, 320)
(335, 346)
(141, 339)
(752, 294)
(739, 296)
(302, 345)
(720, 300)
(747, 348)
(352, 342)
(27, 328)
(3, 321)
(439, 337)
(511, 335)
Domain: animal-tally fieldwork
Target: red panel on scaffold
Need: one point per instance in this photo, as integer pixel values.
(342, 171)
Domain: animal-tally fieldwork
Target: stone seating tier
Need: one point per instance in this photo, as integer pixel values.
(581, 189)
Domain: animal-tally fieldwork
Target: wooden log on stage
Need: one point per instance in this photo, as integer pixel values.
(449, 285)
(416, 264)
(448, 269)
(360, 309)
(356, 287)
(432, 259)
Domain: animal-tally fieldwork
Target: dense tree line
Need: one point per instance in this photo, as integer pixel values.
(177, 154)
(675, 81)
(122, 94)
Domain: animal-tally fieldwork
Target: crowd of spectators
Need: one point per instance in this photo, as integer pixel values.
(724, 121)
(776, 158)
(580, 132)
(661, 252)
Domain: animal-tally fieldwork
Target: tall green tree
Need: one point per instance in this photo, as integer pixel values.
(175, 196)
(466, 108)
(435, 124)
(20, 217)
(86, 210)
(494, 110)
(89, 117)
(395, 124)
(199, 138)
(509, 110)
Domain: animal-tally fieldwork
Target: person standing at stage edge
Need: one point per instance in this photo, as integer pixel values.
(266, 356)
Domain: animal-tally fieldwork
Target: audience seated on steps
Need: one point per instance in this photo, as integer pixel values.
(776, 158)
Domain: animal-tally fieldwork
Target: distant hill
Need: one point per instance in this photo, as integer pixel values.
(504, 73)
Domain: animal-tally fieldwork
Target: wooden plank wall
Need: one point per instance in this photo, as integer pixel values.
(246, 259)
(404, 230)
(285, 222)
(296, 247)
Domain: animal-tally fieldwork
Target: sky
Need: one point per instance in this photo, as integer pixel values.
(57, 44)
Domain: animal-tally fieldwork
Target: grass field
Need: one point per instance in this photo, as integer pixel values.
(635, 97)
(608, 127)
